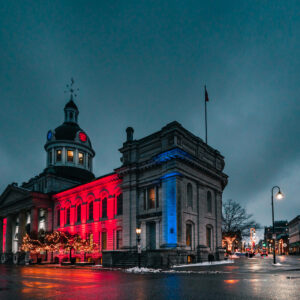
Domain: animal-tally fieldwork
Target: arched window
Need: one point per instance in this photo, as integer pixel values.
(209, 204)
(68, 213)
(79, 213)
(58, 217)
(209, 236)
(91, 211)
(189, 195)
(120, 205)
(104, 208)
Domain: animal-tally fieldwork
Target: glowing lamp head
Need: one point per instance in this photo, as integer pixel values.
(279, 195)
(138, 231)
(82, 136)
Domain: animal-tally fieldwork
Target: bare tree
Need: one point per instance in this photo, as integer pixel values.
(236, 221)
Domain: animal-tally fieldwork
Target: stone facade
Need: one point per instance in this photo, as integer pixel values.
(170, 185)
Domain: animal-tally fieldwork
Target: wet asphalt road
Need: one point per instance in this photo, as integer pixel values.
(253, 278)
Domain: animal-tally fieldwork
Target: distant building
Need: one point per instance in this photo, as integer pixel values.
(294, 236)
(170, 184)
(281, 237)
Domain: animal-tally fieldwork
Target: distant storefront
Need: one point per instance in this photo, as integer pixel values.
(294, 236)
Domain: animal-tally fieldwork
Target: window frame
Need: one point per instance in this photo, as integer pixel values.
(81, 163)
(90, 214)
(58, 155)
(70, 161)
(104, 200)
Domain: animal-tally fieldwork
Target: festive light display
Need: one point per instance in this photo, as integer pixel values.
(4, 234)
(96, 224)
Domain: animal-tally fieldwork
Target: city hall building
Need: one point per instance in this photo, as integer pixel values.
(169, 185)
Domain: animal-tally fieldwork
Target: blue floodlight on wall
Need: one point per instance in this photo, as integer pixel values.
(171, 154)
(169, 217)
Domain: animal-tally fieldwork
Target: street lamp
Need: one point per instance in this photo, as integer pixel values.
(278, 196)
(138, 238)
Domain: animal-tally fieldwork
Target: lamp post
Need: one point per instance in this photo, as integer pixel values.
(278, 196)
(138, 238)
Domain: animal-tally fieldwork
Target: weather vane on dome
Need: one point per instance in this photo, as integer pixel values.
(71, 89)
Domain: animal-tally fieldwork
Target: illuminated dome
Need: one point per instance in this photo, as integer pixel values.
(69, 149)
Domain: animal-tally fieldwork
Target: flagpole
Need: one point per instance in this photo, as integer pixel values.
(205, 114)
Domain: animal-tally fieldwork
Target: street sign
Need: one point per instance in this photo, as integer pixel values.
(274, 236)
(139, 249)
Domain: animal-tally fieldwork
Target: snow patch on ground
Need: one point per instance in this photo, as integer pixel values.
(234, 256)
(142, 270)
(137, 270)
(277, 264)
(214, 263)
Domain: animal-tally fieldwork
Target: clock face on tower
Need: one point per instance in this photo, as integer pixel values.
(82, 136)
(49, 135)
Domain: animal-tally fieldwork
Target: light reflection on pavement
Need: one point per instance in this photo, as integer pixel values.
(246, 279)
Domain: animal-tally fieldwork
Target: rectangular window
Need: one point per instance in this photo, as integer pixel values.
(120, 205)
(157, 197)
(151, 198)
(189, 235)
(80, 158)
(208, 237)
(119, 239)
(91, 211)
(58, 155)
(89, 161)
(104, 208)
(104, 240)
(68, 216)
(70, 155)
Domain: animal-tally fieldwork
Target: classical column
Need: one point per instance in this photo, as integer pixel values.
(22, 229)
(8, 235)
(34, 218)
(143, 234)
(49, 220)
(157, 230)
(169, 210)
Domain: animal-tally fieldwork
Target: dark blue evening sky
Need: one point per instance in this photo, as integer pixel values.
(144, 64)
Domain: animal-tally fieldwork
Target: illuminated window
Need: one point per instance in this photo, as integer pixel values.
(209, 206)
(58, 217)
(208, 236)
(91, 210)
(119, 239)
(70, 155)
(79, 213)
(58, 155)
(104, 240)
(151, 198)
(68, 213)
(189, 195)
(120, 204)
(80, 158)
(188, 235)
(104, 208)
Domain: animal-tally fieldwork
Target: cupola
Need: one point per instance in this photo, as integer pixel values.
(69, 149)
